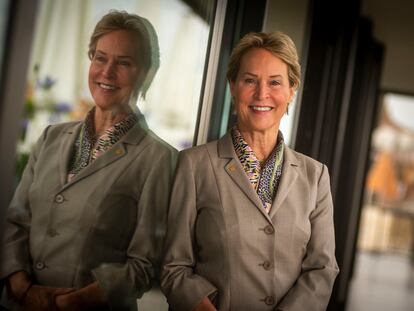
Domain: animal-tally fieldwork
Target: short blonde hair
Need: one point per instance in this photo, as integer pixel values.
(145, 36)
(277, 43)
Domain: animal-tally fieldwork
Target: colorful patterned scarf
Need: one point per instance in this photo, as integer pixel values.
(88, 147)
(263, 177)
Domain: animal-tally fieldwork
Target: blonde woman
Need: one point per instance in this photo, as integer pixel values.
(250, 221)
(84, 228)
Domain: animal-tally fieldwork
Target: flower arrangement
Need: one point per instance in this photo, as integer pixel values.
(40, 109)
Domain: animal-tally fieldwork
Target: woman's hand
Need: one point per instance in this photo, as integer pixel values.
(90, 297)
(42, 298)
(67, 302)
(31, 296)
(18, 285)
(205, 305)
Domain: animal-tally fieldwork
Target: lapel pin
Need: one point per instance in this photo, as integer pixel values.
(119, 151)
(232, 168)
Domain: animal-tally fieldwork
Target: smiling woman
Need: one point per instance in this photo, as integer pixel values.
(252, 219)
(113, 74)
(85, 226)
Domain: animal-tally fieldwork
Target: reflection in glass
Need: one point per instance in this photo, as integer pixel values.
(57, 86)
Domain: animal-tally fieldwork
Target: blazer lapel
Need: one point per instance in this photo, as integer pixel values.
(118, 151)
(289, 175)
(66, 147)
(236, 172)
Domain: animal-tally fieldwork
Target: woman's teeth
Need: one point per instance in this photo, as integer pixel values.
(260, 108)
(107, 86)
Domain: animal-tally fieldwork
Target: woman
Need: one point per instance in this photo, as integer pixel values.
(252, 219)
(85, 225)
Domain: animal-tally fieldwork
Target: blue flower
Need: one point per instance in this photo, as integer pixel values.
(63, 107)
(45, 83)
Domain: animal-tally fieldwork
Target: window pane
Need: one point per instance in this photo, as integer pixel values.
(386, 220)
(57, 82)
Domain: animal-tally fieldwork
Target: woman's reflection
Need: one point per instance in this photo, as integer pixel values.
(85, 225)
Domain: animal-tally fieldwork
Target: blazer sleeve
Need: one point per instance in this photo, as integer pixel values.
(123, 283)
(15, 254)
(183, 288)
(313, 288)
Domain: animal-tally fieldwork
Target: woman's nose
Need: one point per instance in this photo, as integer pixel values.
(109, 69)
(262, 91)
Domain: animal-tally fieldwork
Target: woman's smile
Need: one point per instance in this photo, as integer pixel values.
(107, 87)
(261, 108)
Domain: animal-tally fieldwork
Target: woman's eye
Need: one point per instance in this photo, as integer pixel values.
(124, 63)
(274, 83)
(249, 81)
(99, 59)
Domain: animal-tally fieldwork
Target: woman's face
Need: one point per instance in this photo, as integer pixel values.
(113, 72)
(261, 91)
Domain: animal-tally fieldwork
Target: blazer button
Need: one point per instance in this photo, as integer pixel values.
(59, 198)
(39, 265)
(269, 300)
(52, 232)
(267, 265)
(269, 229)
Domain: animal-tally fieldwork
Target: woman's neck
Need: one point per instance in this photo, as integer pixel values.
(104, 119)
(262, 143)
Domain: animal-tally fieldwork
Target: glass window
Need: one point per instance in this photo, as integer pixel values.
(385, 241)
(57, 81)
(386, 223)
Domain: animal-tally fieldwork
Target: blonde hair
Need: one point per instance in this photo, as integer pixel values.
(145, 37)
(277, 43)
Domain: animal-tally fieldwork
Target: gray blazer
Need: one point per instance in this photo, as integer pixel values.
(107, 224)
(221, 243)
